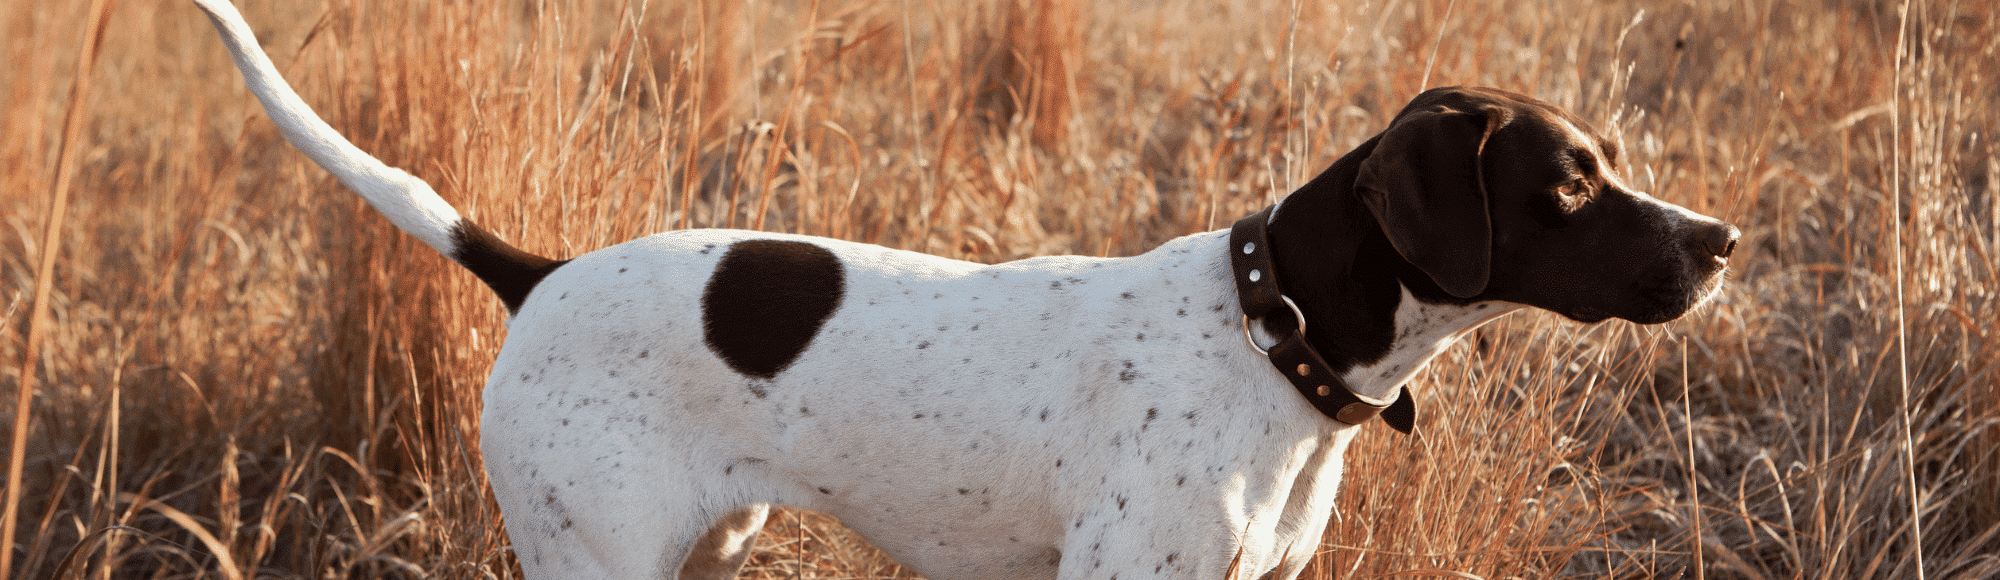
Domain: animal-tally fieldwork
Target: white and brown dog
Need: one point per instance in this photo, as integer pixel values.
(1059, 417)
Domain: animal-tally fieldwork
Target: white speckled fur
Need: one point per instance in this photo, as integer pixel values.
(973, 421)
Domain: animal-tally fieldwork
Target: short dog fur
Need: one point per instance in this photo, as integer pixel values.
(1058, 417)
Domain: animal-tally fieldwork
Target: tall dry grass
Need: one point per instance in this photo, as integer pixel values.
(247, 374)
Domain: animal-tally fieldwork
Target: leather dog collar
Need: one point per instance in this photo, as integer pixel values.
(1257, 290)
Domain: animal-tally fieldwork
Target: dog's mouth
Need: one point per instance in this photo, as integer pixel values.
(1662, 302)
(1586, 314)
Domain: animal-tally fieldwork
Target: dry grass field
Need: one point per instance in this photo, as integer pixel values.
(243, 372)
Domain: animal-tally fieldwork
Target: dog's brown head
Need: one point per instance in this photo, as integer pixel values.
(1497, 196)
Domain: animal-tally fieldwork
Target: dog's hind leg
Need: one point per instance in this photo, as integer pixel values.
(580, 529)
(586, 498)
(720, 553)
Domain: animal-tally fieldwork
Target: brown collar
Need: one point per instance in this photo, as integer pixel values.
(1257, 290)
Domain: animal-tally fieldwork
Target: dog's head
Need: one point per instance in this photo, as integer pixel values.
(1497, 196)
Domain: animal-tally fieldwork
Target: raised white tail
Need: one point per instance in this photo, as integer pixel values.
(406, 200)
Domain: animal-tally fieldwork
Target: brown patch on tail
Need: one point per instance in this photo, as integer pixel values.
(511, 272)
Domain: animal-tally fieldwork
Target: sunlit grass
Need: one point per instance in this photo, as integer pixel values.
(248, 374)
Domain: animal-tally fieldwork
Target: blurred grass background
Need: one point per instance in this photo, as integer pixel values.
(245, 373)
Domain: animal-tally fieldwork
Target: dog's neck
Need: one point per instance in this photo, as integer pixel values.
(1372, 315)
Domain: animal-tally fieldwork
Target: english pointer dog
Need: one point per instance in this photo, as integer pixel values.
(1177, 414)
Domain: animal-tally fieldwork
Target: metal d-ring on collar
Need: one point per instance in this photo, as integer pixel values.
(1258, 294)
(1296, 313)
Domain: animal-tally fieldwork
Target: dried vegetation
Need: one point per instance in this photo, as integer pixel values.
(244, 373)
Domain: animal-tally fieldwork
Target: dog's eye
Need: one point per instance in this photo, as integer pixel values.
(1574, 193)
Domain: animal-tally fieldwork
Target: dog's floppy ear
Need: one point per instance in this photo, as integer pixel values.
(1426, 185)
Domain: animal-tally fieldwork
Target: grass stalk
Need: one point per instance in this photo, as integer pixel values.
(1904, 404)
(38, 307)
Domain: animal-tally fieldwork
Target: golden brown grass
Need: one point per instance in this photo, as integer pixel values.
(245, 373)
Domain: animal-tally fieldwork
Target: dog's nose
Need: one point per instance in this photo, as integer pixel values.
(1717, 239)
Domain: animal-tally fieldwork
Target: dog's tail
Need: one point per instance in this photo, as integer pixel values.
(407, 201)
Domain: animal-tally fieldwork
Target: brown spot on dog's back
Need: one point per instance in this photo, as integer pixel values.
(765, 302)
